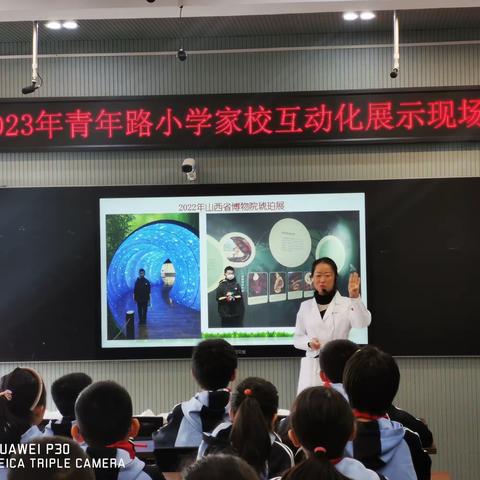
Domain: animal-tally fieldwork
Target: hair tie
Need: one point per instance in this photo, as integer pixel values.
(320, 449)
(248, 392)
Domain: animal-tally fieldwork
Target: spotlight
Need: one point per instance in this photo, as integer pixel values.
(54, 25)
(70, 25)
(350, 16)
(367, 15)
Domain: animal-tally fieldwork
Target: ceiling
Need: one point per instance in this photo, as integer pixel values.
(18, 10)
(146, 22)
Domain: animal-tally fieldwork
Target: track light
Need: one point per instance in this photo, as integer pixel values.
(181, 53)
(396, 47)
(33, 86)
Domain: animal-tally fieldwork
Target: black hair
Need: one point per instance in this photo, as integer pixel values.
(333, 357)
(333, 265)
(254, 406)
(68, 463)
(323, 423)
(141, 270)
(213, 363)
(16, 415)
(104, 413)
(328, 261)
(371, 379)
(220, 467)
(228, 268)
(65, 391)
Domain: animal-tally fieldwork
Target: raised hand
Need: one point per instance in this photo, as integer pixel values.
(354, 285)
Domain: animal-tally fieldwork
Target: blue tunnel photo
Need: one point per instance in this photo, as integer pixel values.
(170, 255)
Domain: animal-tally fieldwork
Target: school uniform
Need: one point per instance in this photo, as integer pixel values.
(412, 423)
(60, 428)
(280, 458)
(353, 470)
(188, 420)
(32, 433)
(384, 446)
(127, 468)
(339, 388)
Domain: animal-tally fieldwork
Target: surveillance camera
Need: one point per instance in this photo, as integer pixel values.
(189, 169)
(150, 1)
(181, 54)
(188, 165)
(394, 73)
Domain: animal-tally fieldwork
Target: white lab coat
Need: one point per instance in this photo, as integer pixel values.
(342, 315)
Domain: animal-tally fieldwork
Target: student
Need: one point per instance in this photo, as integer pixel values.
(322, 423)
(22, 406)
(250, 436)
(371, 381)
(67, 461)
(104, 421)
(220, 467)
(214, 364)
(65, 391)
(333, 357)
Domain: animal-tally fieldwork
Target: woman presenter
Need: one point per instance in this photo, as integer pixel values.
(327, 316)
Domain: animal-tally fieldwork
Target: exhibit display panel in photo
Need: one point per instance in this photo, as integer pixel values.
(272, 254)
(166, 247)
(184, 244)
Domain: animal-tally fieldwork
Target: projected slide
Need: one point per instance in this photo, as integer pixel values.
(163, 264)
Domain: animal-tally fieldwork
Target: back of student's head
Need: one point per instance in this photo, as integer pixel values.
(371, 380)
(254, 406)
(213, 363)
(322, 422)
(333, 357)
(67, 461)
(66, 389)
(104, 413)
(26, 405)
(220, 467)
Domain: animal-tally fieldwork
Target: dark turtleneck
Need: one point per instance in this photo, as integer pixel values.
(325, 299)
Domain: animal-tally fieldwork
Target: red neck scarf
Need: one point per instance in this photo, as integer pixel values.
(124, 445)
(367, 416)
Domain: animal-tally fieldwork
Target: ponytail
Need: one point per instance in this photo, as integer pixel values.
(250, 436)
(316, 466)
(254, 406)
(27, 391)
(11, 427)
(322, 421)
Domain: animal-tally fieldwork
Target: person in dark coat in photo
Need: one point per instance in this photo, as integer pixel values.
(141, 295)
